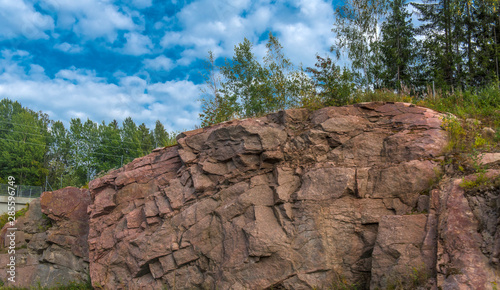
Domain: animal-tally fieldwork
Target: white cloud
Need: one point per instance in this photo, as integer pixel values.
(141, 4)
(68, 48)
(81, 93)
(309, 34)
(159, 63)
(17, 18)
(90, 18)
(219, 26)
(137, 44)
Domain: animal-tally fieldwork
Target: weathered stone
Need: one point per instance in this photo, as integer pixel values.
(490, 159)
(292, 200)
(104, 202)
(214, 168)
(184, 256)
(135, 218)
(272, 156)
(461, 264)
(287, 182)
(150, 209)
(163, 205)
(399, 255)
(488, 133)
(326, 183)
(423, 203)
(51, 249)
(167, 263)
(344, 124)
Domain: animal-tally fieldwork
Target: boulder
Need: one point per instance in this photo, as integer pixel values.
(51, 247)
(292, 200)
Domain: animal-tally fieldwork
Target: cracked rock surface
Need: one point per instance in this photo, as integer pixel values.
(293, 200)
(51, 247)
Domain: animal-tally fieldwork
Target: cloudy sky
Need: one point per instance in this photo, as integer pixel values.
(105, 59)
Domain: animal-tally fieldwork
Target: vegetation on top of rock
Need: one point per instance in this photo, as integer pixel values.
(71, 286)
(4, 218)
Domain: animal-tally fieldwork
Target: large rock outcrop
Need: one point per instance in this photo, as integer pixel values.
(51, 241)
(293, 200)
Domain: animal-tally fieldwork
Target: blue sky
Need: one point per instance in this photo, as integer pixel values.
(105, 60)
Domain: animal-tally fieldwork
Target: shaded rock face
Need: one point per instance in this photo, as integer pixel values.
(294, 200)
(468, 248)
(51, 241)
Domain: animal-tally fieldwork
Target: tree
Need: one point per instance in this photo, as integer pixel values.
(146, 139)
(397, 46)
(216, 107)
(485, 42)
(334, 85)
(459, 46)
(84, 142)
(357, 30)
(59, 155)
(243, 87)
(130, 140)
(24, 144)
(109, 151)
(160, 136)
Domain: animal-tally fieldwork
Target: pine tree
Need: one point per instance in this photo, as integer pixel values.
(146, 139)
(437, 45)
(130, 140)
(84, 142)
(160, 136)
(397, 46)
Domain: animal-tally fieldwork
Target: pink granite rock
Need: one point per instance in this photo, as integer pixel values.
(291, 200)
(52, 249)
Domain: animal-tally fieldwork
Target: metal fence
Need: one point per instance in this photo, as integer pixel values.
(23, 190)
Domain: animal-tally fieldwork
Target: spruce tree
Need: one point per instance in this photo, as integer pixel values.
(397, 46)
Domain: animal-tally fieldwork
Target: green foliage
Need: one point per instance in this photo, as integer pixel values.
(24, 142)
(357, 30)
(341, 283)
(4, 218)
(460, 47)
(382, 95)
(335, 85)
(414, 278)
(397, 47)
(161, 137)
(33, 146)
(481, 105)
(243, 87)
(479, 180)
(73, 285)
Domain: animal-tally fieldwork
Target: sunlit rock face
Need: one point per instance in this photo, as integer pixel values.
(295, 199)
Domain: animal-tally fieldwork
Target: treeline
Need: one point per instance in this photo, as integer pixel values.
(456, 47)
(36, 149)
